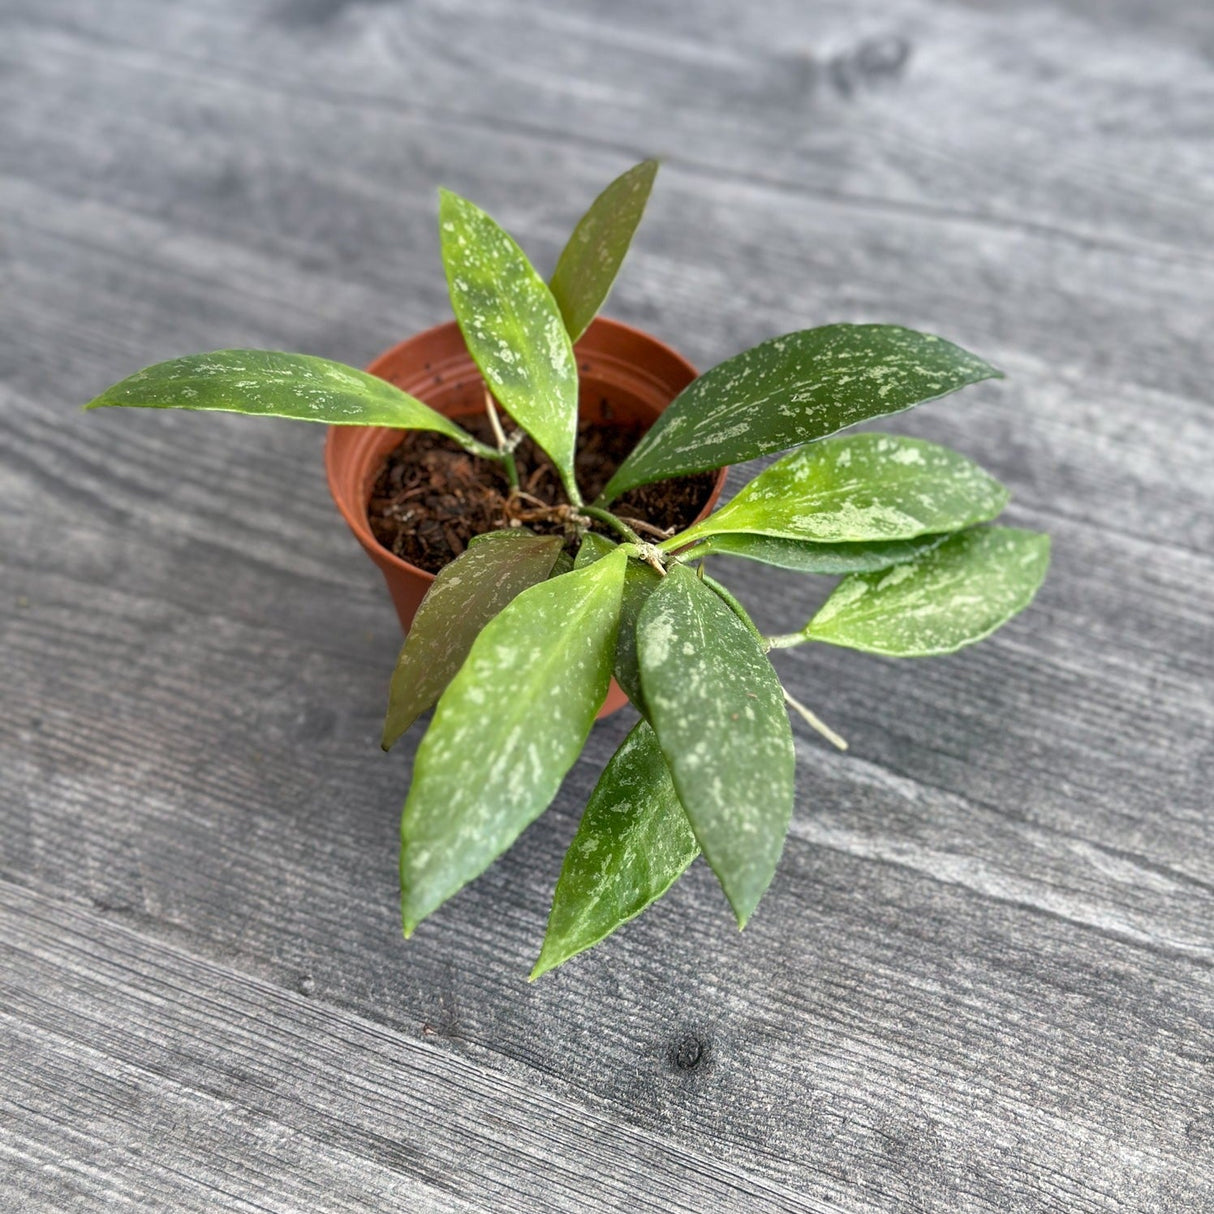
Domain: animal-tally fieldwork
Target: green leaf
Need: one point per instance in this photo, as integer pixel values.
(640, 581)
(794, 389)
(593, 548)
(271, 384)
(590, 261)
(956, 595)
(513, 329)
(506, 730)
(718, 711)
(633, 843)
(803, 556)
(464, 597)
(858, 488)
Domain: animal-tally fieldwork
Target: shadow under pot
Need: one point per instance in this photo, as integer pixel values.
(626, 379)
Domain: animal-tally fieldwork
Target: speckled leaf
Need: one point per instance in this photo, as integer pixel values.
(268, 383)
(592, 548)
(718, 711)
(791, 390)
(590, 261)
(803, 556)
(506, 730)
(955, 595)
(857, 488)
(633, 843)
(513, 329)
(640, 581)
(463, 598)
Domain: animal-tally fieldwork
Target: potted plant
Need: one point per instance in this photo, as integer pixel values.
(523, 625)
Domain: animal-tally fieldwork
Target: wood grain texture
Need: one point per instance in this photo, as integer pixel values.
(982, 977)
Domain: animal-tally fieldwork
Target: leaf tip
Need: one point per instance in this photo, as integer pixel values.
(547, 960)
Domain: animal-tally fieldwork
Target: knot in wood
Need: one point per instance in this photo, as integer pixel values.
(687, 1053)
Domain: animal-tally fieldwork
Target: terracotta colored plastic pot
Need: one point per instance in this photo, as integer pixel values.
(637, 374)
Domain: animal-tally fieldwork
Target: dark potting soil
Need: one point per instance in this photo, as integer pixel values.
(431, 497)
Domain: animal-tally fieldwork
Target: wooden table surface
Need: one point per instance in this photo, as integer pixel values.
(982, 977)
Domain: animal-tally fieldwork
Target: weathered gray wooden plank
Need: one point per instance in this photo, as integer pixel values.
(242, 179)
(190, 1087)
(1009, 944)
(829, 97)
(982, 978)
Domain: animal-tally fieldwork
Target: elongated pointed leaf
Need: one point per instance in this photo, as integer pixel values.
(803, 556)
(857, 488)
(464, 597)
(633, 844)
(506, 730)
(512, 327)
(953, 596)
(640, 581)
(271, 384)
(794, 389)
(718, 711)
(590, 261)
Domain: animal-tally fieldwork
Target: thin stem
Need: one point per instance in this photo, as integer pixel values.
(505, 451)
(813, 721)
(610, 520)
(648, 528)
(483, 450)
(530, 497)
(785, 640)
(572, 492)
(732, 604)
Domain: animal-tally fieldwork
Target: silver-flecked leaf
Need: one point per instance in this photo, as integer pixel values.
(857, 488)
(633, 843)
(955, 595)
(268, 383)
(462, 599)
(640, 581)
(792, 390)
(592, 548)
(718, 711)
(804, 556)
(513, 329)
(591, 260)
(506, 730)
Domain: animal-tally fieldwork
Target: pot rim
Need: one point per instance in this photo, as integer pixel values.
(357, 519)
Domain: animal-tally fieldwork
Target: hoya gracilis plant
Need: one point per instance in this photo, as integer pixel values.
(518, 638)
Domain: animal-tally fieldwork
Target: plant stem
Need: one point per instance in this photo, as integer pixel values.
(505, 454)
(616, 524)
(648, 528)
(785, 640)
(814, 721)
(482, 450)
(733, 605)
